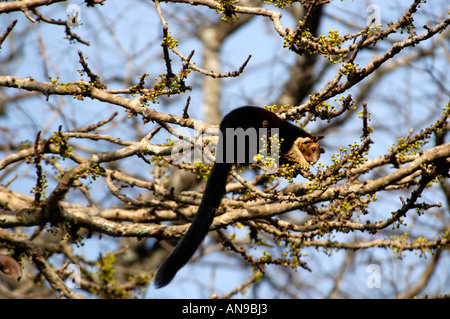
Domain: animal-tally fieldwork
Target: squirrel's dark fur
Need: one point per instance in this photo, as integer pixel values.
(245, 117)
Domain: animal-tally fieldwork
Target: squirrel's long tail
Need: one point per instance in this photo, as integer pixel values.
(214, 191)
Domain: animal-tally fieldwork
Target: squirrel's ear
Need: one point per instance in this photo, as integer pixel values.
(318, 138)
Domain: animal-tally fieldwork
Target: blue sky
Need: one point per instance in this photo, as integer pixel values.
(125, 42)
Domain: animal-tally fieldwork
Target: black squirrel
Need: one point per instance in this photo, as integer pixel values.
(296, 146)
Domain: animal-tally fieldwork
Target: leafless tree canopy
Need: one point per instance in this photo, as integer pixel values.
(98, 100)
